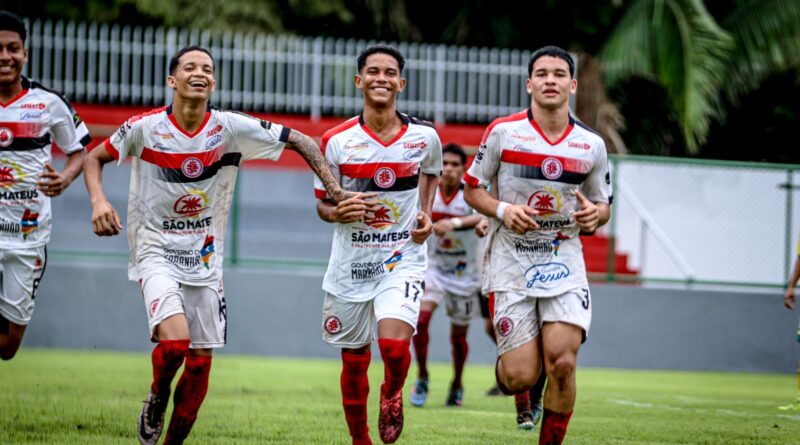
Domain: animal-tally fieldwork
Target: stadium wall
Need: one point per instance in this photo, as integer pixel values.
(90, 305)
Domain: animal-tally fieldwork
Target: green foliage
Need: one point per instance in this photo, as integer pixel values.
(92, 397)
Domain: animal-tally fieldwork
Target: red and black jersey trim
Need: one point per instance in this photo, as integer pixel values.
(176, 175)
(76, 118)
(529, 166)
(361, 177)
(28, 144)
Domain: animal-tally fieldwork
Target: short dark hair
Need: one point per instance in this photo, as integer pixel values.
(176, 59)
(552, 51)
(10, 22)
(383, 49)
(456, 150)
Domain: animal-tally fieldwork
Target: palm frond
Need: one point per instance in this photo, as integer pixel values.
(678, 43)
(767, 37)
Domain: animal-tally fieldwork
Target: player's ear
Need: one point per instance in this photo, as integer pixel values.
(573, 86)
(357, 80)
(402, 84)
(171, 82)
(529, 86)
(213, 85)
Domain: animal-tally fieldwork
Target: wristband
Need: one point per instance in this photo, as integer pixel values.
(457, 223)
(501, 210)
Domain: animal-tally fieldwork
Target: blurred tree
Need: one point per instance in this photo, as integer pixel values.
(679, 45)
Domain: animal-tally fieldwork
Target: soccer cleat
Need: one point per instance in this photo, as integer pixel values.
(390, 419)
(151, 419)
(791, 407)
(455, 397)
(420, 392)
(525, 421)
(494, 391)
(536, 411)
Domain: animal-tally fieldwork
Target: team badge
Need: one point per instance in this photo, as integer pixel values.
(154, 307)
(552, 168)
(385, 177)
(192, 167)
(6, 137)
(505, 326)
(333, 325)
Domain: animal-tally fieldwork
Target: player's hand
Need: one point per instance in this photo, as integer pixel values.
(105, 220)
(519, 218)
(52, 182)
(424, 228)
(443, 226)
(355, 207)
(588, 216)
(789, 298)
(482, 228)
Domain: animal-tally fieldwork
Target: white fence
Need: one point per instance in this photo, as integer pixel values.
(101, 63)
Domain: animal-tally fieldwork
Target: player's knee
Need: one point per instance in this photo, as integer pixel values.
(518, 378)
(561, 367)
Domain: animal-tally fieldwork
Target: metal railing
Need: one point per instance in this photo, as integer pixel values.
(120, 64)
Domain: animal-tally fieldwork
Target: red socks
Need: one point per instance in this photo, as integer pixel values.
(554, 427)
(189, 394)
(421, 340)
(355, 389)
(460, 351)
(396, 360)
(167, 357)
(522, 402)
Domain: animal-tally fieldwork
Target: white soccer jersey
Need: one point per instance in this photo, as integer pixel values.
(182, 185)
(29, 124)
(364, 252)
(531, 170)
(453, 257)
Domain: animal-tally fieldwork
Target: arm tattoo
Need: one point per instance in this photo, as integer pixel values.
(310, 151)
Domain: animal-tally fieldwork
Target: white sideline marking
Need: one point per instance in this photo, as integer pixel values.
(727, 412)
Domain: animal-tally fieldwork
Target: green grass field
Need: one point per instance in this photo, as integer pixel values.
(84, 397)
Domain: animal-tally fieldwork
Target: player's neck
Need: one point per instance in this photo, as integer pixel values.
(189, 114)
(449, 190)
(384, 122)
(10, 91)
(553, 123)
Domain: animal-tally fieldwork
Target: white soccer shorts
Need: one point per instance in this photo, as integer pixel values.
(518, 318)
(203, 306)
(20, 273)
(349, 324)
(460, 308)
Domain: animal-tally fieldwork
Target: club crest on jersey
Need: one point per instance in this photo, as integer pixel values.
(552, 168)
(6, 137)
(191, 204)
(546, 201)
(192, 167)
(208, 250)
(385, 177)
(385, 217)
(29, 223)
(333, 325)
(504, 326)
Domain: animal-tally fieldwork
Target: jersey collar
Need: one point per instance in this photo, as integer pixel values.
(541, 133)
(175, 123)
(26, 85)
(400, 133)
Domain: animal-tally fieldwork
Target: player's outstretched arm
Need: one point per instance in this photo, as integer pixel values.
(313, 156)
(105, 220)
(53, 182)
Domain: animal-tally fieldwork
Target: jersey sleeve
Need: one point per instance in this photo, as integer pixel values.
(597, 186)
(67, 130)
(128, 140)
(432, 162)
(487, 160)
(329, 149)
(256, 138)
